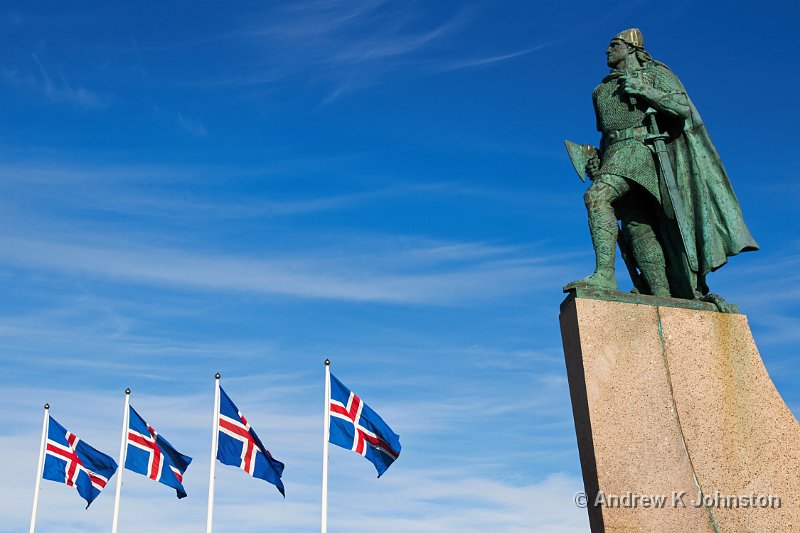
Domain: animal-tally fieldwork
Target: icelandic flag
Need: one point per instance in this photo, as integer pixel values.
(239, 445)
(354, 426)
(70, 460)
(151, 455)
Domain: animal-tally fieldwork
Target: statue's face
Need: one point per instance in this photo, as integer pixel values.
(616, 53)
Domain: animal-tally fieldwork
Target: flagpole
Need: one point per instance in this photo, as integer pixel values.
(123, 449)
(214, 439)
(325, 438)
(40, 466)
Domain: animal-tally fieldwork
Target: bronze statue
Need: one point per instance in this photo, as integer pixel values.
(658, 173)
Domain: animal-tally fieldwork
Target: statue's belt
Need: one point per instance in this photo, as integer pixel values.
(614, 136)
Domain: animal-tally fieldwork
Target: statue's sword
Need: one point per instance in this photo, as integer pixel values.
(672, 187)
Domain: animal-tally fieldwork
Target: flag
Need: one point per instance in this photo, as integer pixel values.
(70, 460)
(354, 426)
(151, 455)
(239, 445)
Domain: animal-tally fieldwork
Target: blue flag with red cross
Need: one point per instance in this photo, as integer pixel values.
(70, 460)
(150, 454)
(239, 445)
(354, 426)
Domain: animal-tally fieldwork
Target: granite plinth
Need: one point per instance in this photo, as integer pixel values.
(671, 402)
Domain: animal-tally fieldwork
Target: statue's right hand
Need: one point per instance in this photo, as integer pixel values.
(592, 167)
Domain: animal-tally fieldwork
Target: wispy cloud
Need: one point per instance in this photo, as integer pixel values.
(360, 266)
(192, 125)
(345, 45)
(182, 193)
(344, 276)
(180, 121)
(773, 311)
(54, 89)
(460, 64)
(14, 18)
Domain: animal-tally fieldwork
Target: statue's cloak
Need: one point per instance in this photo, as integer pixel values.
(714, 216)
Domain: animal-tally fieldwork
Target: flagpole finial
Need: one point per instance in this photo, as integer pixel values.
(127, 391)
(46, 406)
(327, 362)
(217, 376)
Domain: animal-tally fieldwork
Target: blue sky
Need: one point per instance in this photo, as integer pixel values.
(251, 187)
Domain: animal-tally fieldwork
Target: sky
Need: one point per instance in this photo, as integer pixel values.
(252, 187)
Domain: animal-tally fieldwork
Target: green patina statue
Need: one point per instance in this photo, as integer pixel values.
(658, 173)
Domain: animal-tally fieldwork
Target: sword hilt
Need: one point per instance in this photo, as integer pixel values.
(652, 125)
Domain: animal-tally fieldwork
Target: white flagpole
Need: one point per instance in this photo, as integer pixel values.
(123, 449)
(40, 466)
(325, 437)
(214, 439)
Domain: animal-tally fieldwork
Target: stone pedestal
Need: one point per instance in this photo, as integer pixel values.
(670, 402)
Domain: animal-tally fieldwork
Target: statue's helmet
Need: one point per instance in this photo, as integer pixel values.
(632, 36)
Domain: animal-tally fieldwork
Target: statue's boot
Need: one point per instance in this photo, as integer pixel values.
(649, 256)
(603, 229)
